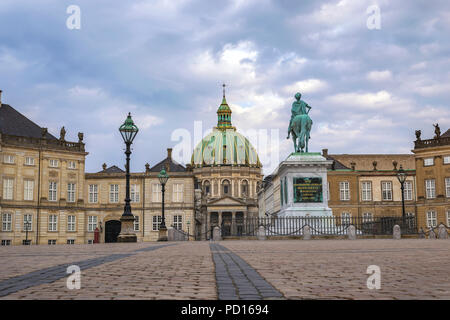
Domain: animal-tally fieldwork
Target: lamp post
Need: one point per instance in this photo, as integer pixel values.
(401, 176)
(27, 227)
(163, 177)
(128, 131)
(188, 224)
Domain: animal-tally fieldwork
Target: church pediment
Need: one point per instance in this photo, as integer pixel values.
(227, 201)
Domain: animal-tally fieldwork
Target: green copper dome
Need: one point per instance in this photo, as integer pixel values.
(224, 145)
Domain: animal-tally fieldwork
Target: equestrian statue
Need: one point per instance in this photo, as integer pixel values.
(300, 124)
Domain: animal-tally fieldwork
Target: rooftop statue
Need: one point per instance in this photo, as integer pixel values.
(300, 124)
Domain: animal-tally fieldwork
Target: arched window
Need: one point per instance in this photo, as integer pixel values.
(206, 187)
(226, 187)
(244, 188)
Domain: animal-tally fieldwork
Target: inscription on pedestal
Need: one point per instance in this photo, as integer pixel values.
(307, 190)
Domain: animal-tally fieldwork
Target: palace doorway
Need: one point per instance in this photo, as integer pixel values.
(112, 230)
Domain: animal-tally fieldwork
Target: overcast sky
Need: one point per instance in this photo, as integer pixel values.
(165, 60)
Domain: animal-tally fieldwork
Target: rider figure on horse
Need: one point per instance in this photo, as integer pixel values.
(300, 109)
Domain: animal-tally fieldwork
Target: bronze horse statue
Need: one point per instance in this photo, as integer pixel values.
(300, 124)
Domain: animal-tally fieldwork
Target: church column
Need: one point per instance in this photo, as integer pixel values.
(220, 219)
(208, 225)
(233, 223)
(232, 188)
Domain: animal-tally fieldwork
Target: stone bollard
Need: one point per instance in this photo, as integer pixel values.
(306, 233)
(422, 234)
(262, 233)
(442, 232)
(351, 232)
(432, 234)
(396, 232)
(217, 236)
(170, 234)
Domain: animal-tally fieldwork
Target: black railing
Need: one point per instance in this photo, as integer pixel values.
(294, 226)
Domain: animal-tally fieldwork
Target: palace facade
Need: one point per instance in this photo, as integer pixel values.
(46, 197)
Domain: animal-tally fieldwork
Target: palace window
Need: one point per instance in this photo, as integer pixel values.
(52, 242)
(408, 192)
(113, 193)
(346, 218)
(6, 242)
(206, 187)
(244, 188)
(71, 220)
(26, 242)
(366, 191)
(6, 222)
(28, 189)
(7, 158)
(431, 219)
(367, 217)
(226, 187)
(70, 241)
(52, 191)
(428, 162)
(134, 193)
(177, 195)
(156, 223)
(8, 188)
(447, 160)
(29, 161)
(448, 218)
(430, 186)
(136, 223)
(52, 222)
(447, 187)
(93, 193)
(53, 163)
(156, 192)
(71, 165)
(27, 222)
(90, 241)
(344, 190)
(71, 192)
(178, 222)
(386, 190)
(92, 223)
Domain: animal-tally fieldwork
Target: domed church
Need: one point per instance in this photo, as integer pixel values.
(228, 172)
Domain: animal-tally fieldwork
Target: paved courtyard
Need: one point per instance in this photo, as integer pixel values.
(290, 269)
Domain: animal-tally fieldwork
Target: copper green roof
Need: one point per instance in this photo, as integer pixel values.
(224, 115)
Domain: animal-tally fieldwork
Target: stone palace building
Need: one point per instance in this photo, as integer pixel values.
(46, 197)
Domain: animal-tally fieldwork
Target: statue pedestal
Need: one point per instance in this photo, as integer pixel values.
(304, 185)
(127, 233)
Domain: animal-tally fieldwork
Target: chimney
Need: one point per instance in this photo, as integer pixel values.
(1, 98)
(169, 153)
(104, 166)
(325, 153)
(147, 168)
(353, 164)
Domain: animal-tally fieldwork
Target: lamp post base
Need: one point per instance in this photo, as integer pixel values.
(162, 234)
(127, 230)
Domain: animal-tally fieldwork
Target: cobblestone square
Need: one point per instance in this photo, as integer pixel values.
(288, 269)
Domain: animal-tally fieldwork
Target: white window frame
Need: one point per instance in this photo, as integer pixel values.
(7, 222)
(6, 242)
(28, 190)
(448, 217)
(136, 223)
(408, 190)
(346, 218)
(156, 222)
(53, 163)
(53, 191)
(428, 162)
(156, 192)
(93, 193)
(446, 159)
(177, 194)
(9, 158)
(27, 217)
(447, 187)
(92, 223)
(135, 193)
(52, 223)
(71, 191)
(29, 161)
(71, 223)
(366, 187)
(386, 191)
(367, 217)
(70, 241)
(178, 221)
(51, 242)
(113, 193)
(8, 188)
(71, 165)
(430, 188)
(344, 190)
(431, 219)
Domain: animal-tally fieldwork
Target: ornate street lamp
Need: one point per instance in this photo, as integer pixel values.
(128, 131)
(163, 177)
(401, 176)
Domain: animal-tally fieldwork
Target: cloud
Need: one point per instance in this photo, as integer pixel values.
(307, 86)
(377, 76)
